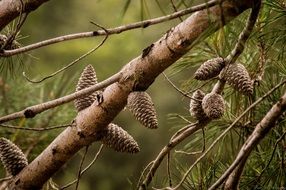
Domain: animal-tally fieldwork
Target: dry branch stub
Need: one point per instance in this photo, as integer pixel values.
(237, 76)
(12, 157)
(118, 139)
(210, 69)
(88, 78)
(196, 109)
(141, 106)
(213, 105)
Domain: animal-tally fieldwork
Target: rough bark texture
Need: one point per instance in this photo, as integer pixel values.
(10, 9)
(138, 75)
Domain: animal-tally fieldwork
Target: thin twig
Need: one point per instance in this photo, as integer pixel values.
(73, 62)
(36, 109)
(205, 83)
(85, 169)
(168, 170)
(35, 129)
(175, 9)
(183, 118)
(180, 131)
(111, 31)
(244, 35)
(80, 167)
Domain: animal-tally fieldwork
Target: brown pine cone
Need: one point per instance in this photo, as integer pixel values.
(210, 69)
(213, 105)
(87, 79)
(237, 76)
(196, 109)
(141, 106)
(118, 139)
(12, 157)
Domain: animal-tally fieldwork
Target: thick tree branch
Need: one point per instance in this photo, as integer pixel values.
(138, 75)
(10, 9)
(117, 30)
(260, 131)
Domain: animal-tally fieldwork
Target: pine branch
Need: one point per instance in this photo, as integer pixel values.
(111, 31)
(71, 63)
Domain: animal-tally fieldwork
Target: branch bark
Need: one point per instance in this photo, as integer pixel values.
(10, 9)
(137, 75)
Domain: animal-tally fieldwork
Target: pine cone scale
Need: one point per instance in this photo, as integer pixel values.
(12, 157)
(141, 106)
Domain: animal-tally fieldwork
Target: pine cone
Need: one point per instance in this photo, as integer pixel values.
(237, 76)
(87, 79)
(141, 106)
(210, 69)
(118, 139)
(213, 105)
(12, 157)
(196, 109)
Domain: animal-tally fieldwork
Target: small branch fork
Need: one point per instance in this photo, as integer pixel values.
(117, 30)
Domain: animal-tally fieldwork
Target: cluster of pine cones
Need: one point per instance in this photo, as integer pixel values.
(139, 103)
(113, 136)
(211, 106)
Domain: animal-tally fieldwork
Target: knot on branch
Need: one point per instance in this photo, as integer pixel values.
(29, 113)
